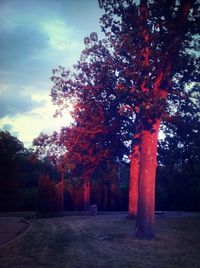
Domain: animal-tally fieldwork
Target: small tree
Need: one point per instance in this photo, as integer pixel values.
(83, 155)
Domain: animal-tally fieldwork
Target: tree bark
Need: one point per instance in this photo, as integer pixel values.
(133, 181)
(86, 193)
(98, 194)
(146, 190)
(74, 197)
(105, 197)
(62, 192)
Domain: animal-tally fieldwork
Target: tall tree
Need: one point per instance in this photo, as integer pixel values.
(150, 40)
(97, 124)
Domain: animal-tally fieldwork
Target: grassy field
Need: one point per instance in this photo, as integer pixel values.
(104, 241)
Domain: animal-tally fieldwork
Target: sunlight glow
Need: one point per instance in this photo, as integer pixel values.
(29, 125)
(61, 37)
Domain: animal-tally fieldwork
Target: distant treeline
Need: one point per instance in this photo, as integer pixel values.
(27, 183)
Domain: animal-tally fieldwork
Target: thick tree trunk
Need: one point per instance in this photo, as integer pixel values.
(133, 181)
(86, 193)
(146, 190)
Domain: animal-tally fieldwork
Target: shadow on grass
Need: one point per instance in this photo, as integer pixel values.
(104, 241)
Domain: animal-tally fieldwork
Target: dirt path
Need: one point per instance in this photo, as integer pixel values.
(11, 228)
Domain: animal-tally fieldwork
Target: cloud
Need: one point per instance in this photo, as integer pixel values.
(38, 36)
(19, 44)
(35, 37)
(29, 125)
(23, 58)
(15, 101)
(28, 53)
(9, 128)
(61, 37)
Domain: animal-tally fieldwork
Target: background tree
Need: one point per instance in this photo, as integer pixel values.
(48, 148)
(179, 159)
(10, 150)
(83, 156)
(19, 172)
(48, 201)
(98, 124)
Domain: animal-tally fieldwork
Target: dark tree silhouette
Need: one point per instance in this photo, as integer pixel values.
(19, 172)
(10, 150)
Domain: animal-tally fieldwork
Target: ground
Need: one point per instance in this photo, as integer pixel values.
(11, 228)
(105, 240)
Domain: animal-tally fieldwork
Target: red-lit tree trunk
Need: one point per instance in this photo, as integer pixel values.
(133, 181)
(86, 193)
(146, 190)
(135, 157)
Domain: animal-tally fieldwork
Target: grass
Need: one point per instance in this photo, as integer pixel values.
(104, 241)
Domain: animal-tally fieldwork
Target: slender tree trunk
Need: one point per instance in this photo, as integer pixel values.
(98, 194)
(146, 191)
(74, 197)
(113, 194)
(62, 192)
(105, 197)
(133, 181)
(86, 193)
(77, 198)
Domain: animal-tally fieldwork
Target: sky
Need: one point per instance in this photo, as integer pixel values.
(37, 36)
